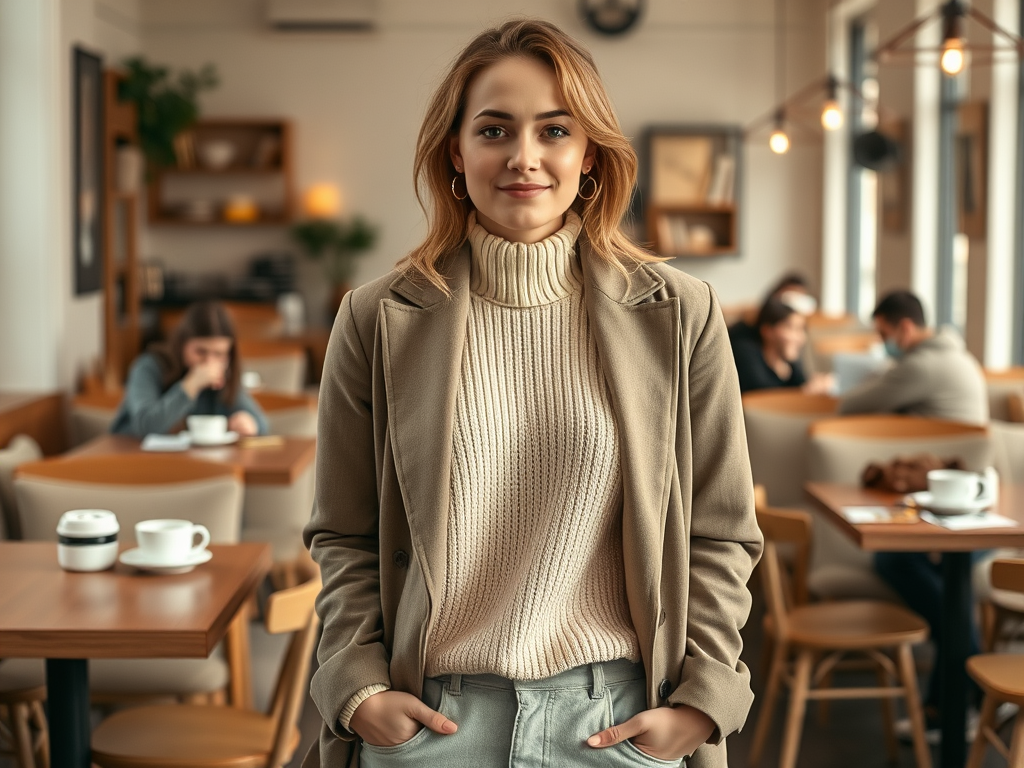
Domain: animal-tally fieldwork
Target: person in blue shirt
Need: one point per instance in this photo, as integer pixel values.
(196, 372)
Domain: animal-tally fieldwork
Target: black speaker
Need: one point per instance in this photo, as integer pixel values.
(876, 151)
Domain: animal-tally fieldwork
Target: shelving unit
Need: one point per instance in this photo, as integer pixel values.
(121, 299)
(260, 168)
(693, 184)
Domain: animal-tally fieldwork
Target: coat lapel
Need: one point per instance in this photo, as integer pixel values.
(637, 339)
(422, 344)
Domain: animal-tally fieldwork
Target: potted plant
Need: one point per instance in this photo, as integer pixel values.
(166, 106)
(339, 244)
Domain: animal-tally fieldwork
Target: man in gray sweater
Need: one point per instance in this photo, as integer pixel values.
(933, 375)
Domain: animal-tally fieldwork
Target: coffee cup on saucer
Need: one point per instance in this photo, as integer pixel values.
(87, 539)
(952, 488)
(170, 542)
(207, 429)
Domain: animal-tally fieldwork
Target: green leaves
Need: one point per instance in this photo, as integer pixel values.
(166, 106)
(340, 242)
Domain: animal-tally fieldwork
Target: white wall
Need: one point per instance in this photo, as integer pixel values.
(357, 102)
(47, 335)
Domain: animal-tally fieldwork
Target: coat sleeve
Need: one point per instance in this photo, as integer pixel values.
(725, 542)
(343, 532)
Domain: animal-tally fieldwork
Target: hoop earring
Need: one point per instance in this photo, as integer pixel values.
(593, 194)
(456, 194)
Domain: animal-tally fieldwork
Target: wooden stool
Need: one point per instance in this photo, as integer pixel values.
(19, 711)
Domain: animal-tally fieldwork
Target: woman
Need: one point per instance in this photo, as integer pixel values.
(527, 533)
(195, 373)
(774, 361)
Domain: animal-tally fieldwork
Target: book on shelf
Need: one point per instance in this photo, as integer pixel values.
(723, 181)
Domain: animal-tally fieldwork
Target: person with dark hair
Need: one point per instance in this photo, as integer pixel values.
(933, 375)
(774, 361)
(792, 289)
(196, 372)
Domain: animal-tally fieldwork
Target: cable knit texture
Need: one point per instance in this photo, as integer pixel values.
(536, 580)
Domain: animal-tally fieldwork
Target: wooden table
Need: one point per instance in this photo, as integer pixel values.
(266, 465)
(956, 548)
(71, 617)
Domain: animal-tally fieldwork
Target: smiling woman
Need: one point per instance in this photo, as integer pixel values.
(534, 511)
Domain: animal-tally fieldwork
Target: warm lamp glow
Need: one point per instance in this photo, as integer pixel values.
(779, 141)
(322, 201)
(831, 115)
(952, 61)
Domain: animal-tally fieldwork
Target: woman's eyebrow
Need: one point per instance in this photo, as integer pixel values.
(508, 116)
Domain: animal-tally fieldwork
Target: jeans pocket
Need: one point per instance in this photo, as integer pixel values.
(435, 694)
(627, 699)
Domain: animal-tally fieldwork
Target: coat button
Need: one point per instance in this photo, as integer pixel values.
(664, 689)
(661, 617)
(401, 559)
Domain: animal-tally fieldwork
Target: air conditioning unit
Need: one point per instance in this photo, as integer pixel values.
(322, 15)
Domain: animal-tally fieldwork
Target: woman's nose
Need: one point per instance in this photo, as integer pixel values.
(525, 155)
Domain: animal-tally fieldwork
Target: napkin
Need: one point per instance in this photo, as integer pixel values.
(861, 515)
(178, 442)
(968, 522)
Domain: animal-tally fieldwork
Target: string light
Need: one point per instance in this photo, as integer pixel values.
(831, 114)
(779, 141)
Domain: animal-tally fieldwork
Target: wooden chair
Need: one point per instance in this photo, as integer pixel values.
(281, 365)
(288, 414)
(776, 423)
(1015, 407)
(1002, 386)
(1001, 677)
(821, 635)
(189, 736)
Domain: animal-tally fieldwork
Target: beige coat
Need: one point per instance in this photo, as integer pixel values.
(387, 405)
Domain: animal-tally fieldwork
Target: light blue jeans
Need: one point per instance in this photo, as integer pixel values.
(526, 724)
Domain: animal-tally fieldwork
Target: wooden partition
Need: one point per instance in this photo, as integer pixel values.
(41, 416)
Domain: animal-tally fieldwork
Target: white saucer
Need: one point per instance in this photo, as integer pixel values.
(924, 499)
(136, 559)
(227, 439)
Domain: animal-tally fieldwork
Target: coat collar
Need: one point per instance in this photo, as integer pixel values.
(637, 338)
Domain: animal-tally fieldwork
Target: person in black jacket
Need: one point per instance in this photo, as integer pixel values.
(771, 358)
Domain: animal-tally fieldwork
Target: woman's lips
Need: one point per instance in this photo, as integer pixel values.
(523, 191)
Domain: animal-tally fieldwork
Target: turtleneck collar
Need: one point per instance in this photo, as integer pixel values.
(525, 274)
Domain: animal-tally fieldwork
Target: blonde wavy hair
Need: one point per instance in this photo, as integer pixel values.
(585, 96)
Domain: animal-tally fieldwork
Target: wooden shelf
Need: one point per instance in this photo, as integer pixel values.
(262, 168)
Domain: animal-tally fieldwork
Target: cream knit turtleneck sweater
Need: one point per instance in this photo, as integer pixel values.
(536, 582)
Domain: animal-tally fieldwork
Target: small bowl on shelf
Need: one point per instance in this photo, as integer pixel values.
(217, 155)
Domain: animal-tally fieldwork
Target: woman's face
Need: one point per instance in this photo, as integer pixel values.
(215, 349)
(788, 337)
(520, 149)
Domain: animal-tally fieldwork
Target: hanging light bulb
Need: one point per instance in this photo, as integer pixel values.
(831, 114)
(953, 59)
(779, 141)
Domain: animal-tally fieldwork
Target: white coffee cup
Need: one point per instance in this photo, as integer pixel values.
(955, 487)
(170, 541)
(207, 428)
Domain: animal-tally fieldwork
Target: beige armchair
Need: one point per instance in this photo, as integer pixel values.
(838, 451)
(281, 365)
(21, 450)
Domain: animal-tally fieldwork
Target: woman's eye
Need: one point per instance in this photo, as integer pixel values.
(556, 132)
(492, 132)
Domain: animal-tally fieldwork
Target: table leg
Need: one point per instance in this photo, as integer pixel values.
(956, 643)
(67, 701)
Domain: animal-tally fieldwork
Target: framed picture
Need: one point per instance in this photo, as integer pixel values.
(87, 156)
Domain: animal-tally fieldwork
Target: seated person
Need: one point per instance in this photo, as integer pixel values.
(195, 373)
(793, 290)
(773, 360)
(934, 374)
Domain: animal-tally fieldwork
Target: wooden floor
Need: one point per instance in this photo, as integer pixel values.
(852, 738)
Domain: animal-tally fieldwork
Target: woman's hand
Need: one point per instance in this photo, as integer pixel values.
(205, 375)
(667, 733)
(243, 423)
(392, 717)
